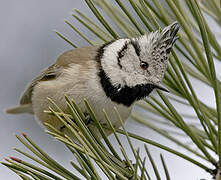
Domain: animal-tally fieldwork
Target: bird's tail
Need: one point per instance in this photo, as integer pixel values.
(24, 108)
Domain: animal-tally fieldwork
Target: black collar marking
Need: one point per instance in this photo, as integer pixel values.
(122, 95)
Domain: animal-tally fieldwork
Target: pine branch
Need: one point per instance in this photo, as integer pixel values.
(86, 148)
(194, 57)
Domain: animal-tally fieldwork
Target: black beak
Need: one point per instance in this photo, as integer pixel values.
(161, 88)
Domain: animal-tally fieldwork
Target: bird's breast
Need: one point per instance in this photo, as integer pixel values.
(77, 85)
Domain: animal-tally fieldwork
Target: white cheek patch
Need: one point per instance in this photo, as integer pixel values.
(130, 61)
(111, 53)
(109, 61)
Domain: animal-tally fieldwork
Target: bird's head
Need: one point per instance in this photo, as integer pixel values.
(137, 63)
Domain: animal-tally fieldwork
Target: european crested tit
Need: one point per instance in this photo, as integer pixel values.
(117, 73)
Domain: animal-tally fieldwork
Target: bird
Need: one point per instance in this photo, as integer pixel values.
(115, 74)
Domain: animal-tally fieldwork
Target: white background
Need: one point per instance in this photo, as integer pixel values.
(27, 45)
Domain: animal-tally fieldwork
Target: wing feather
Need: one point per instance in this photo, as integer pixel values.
(75, 56)
(45, 75)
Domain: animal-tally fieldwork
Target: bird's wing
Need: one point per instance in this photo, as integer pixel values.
(75, 56)
(50, 73)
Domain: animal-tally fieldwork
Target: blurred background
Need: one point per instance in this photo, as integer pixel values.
(28, 45)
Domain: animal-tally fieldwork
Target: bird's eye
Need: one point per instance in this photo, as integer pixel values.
(144, 65)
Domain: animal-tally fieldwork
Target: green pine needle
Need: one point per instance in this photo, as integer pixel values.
(194, 57)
